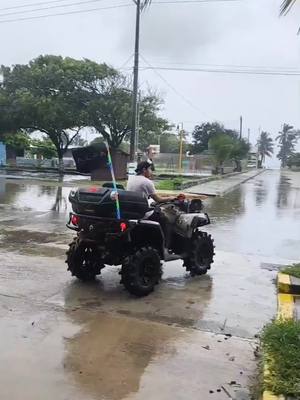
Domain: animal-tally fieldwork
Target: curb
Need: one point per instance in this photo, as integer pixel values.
(285, 311)
(231, 188)
(288, 284)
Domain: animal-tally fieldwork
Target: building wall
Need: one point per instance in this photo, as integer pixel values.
(2, 154)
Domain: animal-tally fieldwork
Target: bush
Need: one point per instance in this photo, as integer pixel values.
(281, 348)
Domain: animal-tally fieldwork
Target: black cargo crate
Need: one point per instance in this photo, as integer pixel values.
(98, 202)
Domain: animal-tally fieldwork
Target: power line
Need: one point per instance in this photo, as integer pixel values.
(172, 87)
(226, 71)
(263, 67)
(50, 7)
(65, 13)
(79, 11)
(32, 4)
(44, 3)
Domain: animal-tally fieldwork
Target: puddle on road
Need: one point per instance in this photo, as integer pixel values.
(115, 358)
(110, 356)
(260, 218)
(34, 242)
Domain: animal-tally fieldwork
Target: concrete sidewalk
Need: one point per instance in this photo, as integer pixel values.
(222, 185)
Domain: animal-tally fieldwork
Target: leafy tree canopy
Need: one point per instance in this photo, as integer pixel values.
(50, 95)
(203, 133)
(17, 141)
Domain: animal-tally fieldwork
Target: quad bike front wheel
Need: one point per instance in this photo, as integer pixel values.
(141, 271)
(83, 260)
(201, 254)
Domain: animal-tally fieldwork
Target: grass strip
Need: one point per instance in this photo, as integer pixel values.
(281, 348)
(293, 270)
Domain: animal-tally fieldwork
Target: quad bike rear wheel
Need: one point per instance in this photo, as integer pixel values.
(141, 271)
(83, 260)
(201, 254)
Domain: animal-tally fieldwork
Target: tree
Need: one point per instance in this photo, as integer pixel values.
(109, 112)
(17, 141)
(79, 141)
(222, 147)
(50, 95)
(287, 139)
(264, 147)
(240, 150)
(203, 133)
(43, 148)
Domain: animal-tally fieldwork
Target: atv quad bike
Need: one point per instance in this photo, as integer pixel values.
(136, 242)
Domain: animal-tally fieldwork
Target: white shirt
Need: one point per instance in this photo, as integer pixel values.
(141, 184)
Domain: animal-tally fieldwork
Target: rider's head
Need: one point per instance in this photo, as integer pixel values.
(144, 168)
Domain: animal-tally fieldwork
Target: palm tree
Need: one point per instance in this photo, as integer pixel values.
(287, 139)
(264, 147)
(286, 6)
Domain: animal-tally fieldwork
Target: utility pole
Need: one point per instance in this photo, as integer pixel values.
(135, 80)
(181, 133)
(249, 135)
(137, 130)
(241, 127)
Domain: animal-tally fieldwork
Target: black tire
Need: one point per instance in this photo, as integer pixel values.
(201, 254)
(83, 260)
(141, 271)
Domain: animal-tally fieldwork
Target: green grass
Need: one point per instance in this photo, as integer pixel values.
(293, 270)
(169, 184)
(281, 349)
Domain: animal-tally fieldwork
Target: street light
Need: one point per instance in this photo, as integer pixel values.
(140, 6)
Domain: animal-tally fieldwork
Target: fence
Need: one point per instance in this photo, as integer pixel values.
(37, 163)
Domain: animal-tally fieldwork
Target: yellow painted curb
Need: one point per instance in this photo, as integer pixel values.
(285, 306)
(284, 283)
(270, 396)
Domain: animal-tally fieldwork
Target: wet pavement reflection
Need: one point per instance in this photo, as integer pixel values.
(261, 217)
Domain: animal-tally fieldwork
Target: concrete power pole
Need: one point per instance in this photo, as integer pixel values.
(135, 80)
(241, 127)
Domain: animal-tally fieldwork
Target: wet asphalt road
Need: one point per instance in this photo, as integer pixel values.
(66, 340)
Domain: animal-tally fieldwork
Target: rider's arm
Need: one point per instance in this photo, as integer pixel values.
(160, 199)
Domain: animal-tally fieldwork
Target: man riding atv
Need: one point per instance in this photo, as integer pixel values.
(142, 183)
(134, 235)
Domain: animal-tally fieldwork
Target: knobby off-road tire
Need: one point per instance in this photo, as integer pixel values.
(141, 271)
(83, 260)
(201, 254)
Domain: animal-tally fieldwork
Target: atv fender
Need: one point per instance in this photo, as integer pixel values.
(148, 233)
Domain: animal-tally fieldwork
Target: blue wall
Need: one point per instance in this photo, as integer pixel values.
(2, 154)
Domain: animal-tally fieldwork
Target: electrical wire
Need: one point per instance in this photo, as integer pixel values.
(226, 71)
(50, 7)
(79, 11)
(64, 13)
(44, 3)
(263, 67)
(32, 4)
(186, 100)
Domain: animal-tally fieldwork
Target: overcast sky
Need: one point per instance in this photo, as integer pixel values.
(245, 32)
